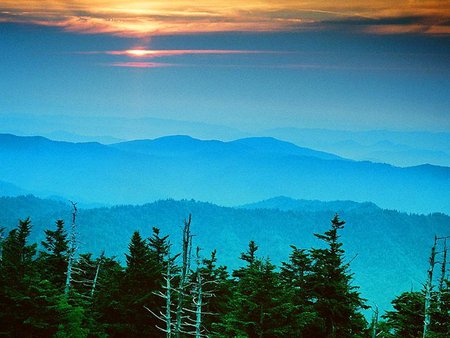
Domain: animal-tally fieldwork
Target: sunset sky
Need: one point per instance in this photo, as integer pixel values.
(243, 64)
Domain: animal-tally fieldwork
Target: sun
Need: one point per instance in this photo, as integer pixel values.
(139, 52)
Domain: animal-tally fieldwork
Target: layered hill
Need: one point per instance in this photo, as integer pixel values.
(225, 173)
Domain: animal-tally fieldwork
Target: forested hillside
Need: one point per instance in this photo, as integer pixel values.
(389, 250)
(58, 291)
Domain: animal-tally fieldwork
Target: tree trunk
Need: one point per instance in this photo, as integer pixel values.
(97, 271)
(72, 249)
(184, 272)
(428, 286)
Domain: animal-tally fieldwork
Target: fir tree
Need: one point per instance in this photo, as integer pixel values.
(216, 283)
(258, 306)
(141, 278)
(406, 320)
(293, 275)
(335, 300)
(53, 260)
(18, 274)
(160, 246)
(107, 301)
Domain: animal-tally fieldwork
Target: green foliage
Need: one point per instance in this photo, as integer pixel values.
(71, 320)
(229, 229)
(142, 277)
(53, 260)
(18, 278)
(17, 256)
(407, 318)
(216, 283)
(107, 302)
(310, 295)
(335, 299)
(258, 306)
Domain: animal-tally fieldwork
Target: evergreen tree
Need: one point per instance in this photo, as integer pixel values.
(406, 320)
(160, 246)
(336, 301)
(141, 279)
(293, 276)
(53, 260)
(440, 313)
(258, 306)
(71, 320)
(217, 284)
(18, 274)
(107, 301)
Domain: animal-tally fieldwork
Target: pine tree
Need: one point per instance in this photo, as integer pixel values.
(107, 300)
(18, 273)
(406, 320)
(217, 283)
(53, 260)
(335, 300)
(294, 275)
(258, 306)
(142, 277)
(160, 246)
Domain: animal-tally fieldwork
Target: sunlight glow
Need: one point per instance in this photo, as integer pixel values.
(139, 52)
(149, 53)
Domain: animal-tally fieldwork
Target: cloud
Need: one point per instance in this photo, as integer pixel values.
(145, 54)
(140, 64)
(140, 18)
(154, 53)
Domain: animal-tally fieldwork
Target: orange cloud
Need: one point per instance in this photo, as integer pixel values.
(141, 53)
(159, 17)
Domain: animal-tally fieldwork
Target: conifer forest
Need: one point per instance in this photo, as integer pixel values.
(54, 289)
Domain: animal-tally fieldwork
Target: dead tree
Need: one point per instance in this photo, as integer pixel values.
(198, 301)
(198, 293)
(97, 271)
(443, 273)
(84, 272)
(428, 287)
(168, 287)
(197, 298)
(187, 317)
(429, 282)
(185, 268)
(72, 248)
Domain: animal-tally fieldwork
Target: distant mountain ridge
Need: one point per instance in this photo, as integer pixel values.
(284, 203)
(185, 144)
(225, 173)
(400, 148)
(8, 189)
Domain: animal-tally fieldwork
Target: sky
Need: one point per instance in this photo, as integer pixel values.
(248, 65)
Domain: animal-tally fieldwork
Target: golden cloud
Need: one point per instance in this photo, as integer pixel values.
(147, 17)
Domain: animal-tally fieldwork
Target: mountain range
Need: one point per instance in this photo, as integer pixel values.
(226, 173)
(400, 148)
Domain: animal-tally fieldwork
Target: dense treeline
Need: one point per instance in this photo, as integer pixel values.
(162, 293)
(381, 278)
